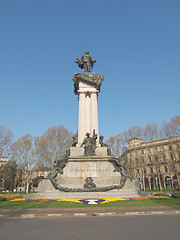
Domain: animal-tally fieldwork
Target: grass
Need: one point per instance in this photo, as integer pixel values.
(41, 204)
(163, 190)
(21, 193)
(176, 195)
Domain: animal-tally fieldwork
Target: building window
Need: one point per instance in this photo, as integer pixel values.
(142, 151)
(165, 169)
(151, 169)
(170, 148)
(179, 155)
(149, 150)
(162, 149)
(137, 161)
(137, 171)
(164, 157)
(155, 149)
(144, 171)
(156, 157)
(150, 159)
(172, 157)
(143, 160)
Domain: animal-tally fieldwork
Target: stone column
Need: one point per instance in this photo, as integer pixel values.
(88, 112)
(94, 114)
(82, 118)
(149, 182)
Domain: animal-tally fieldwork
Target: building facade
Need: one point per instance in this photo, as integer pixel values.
(156, 164)
(3, 160)
(41, 172)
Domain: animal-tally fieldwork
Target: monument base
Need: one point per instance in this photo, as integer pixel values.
(88, 177)
(47, 191)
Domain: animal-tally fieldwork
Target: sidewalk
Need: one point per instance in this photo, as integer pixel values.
(89, 211)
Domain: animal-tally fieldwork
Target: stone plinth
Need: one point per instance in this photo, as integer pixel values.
(46, 190)
(79, 151)
(96, 167)
(87, 86)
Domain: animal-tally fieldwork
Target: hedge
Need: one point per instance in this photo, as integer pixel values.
(176, 195)
(2, 199)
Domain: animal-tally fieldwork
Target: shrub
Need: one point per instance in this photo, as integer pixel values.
(2, 199)
(176, 195)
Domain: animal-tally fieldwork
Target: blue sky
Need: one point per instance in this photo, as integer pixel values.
(136, 44)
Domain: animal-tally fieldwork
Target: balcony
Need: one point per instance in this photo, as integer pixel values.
(163, 162)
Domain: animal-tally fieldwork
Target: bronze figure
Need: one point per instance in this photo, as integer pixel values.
(86, 62)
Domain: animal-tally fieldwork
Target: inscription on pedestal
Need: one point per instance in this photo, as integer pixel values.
(88, 170)
(93, 168)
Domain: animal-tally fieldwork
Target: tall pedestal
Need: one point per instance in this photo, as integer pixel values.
(87, 86)
(88, 111)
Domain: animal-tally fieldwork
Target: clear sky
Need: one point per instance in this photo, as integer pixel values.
(136, 44)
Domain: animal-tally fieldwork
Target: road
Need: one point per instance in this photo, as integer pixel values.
(96, 228)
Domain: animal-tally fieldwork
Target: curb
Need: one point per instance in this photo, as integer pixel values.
(100, 214)
(105, 214)
(27, 215)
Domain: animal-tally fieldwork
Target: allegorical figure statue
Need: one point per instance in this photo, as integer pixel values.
(104, 145)
(86, 62)
(101, 142)
(89, 144)
(75, 140)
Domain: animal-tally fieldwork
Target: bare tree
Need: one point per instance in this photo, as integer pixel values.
(135, 132)
(116, 144)
(151, 132)
(172, 128)
(175, 126)
(23, 153)
(165, 130)
(52, 145)
(6, 138)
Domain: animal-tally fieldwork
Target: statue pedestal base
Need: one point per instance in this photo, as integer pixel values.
(47, 191)
(88, 177)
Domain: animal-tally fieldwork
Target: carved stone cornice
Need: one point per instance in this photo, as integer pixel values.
(93, 79)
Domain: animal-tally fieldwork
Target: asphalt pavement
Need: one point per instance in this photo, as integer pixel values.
(160, 227)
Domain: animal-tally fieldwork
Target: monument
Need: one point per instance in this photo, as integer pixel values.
(88, 169)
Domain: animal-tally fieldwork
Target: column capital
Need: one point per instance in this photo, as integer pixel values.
(93, 80)
(85, 90)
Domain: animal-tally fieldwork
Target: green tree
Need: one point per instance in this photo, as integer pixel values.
(8, 176)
